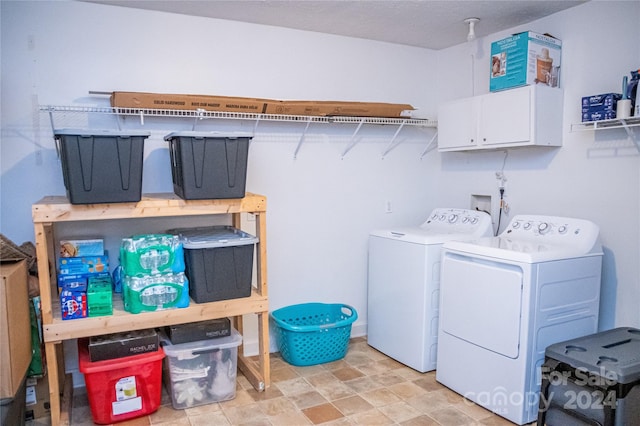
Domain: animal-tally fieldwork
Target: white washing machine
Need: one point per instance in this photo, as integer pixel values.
(403, 282)
(505, 299)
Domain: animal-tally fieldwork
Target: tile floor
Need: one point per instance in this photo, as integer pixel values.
(364, 388)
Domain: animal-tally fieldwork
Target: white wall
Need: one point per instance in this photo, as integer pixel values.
(594, 175)
(322, 206)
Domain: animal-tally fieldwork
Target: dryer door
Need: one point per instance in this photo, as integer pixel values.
(481, 302)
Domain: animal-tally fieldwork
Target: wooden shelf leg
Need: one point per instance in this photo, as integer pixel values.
(259, 378)
(263, 347)
(66, 403)
(52, 374)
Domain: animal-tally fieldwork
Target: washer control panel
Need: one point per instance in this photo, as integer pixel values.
(552, 230)
(463, 221)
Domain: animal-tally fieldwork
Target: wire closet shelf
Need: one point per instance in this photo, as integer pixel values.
(202, 114)
(57, 111)
(629, 124)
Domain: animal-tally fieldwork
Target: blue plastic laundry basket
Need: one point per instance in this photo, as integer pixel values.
(313, 333)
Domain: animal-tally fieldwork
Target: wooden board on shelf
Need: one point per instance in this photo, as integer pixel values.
(122, 320)
(58, 208)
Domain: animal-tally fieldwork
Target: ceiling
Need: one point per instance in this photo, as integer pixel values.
(423, 23)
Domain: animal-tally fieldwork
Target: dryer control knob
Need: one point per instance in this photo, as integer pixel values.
(465, 219)
(562, 229)
(543, 228)
(527, 225)
(516, 225)
(453, 218)
(474, 220)
(443, 217)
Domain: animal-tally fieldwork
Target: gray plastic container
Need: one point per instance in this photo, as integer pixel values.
(218, 262)
(209, 165)
(201, 372)
(101, 166)
(592, 380)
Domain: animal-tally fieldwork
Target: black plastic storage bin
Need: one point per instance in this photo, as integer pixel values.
(201, 330)
(592, 380)
(218, 262)
(208, 165)
(101, 166)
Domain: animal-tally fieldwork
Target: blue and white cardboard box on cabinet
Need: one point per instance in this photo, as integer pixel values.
(523, 59)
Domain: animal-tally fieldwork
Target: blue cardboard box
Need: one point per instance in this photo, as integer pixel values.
(600, 107)
(606, 108)
(73, 300)
(523, 59)
(76, 280)
(79, 248)
(598, 115)
(83, 265)
(601, 101)
(71, 281)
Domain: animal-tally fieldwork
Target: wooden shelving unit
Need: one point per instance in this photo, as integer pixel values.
(54, 209)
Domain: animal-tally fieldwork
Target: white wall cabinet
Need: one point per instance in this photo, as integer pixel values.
(525, 116)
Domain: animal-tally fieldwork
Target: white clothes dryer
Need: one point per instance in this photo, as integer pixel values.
(404, 280)
(505, 299)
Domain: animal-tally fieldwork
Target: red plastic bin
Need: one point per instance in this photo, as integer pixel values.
(122, 388)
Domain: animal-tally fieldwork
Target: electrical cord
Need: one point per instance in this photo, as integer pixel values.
(503, 179)
(504, 160)
(500, 210)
